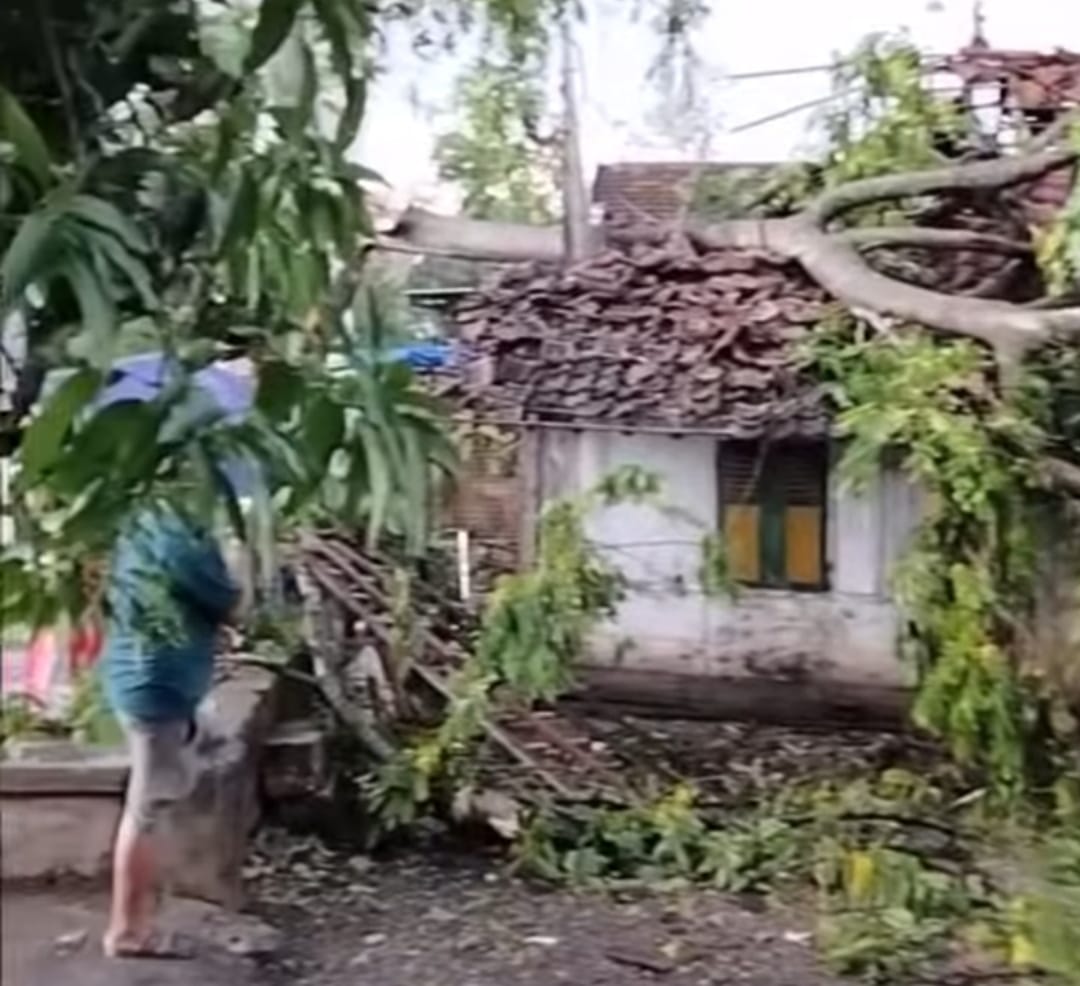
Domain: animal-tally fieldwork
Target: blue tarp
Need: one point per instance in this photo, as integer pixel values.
(423, 356)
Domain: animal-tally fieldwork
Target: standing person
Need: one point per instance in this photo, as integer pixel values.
(169, 595)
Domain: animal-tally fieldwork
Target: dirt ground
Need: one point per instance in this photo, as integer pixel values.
(446, 919)
(436, 918)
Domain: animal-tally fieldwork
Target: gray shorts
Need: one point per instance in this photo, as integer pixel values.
(163, 769)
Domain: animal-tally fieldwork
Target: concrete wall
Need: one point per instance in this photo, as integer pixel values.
(59, 807)
(845, 634)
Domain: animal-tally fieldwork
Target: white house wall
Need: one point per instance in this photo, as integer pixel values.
(848, 633)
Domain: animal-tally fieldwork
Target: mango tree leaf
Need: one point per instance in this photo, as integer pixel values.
(97, 212)
(17, 127)
(44, 438)
(416, 491)
(355, 173)
(241, 213)
(381, 486)
(324, 429)
(353, 114)
(276, 19)
(30, 255)
(280, 388)
(118, 441)
(130, 266)
(336, 30)
(96, 307)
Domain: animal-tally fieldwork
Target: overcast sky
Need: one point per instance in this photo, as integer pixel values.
(408, 106)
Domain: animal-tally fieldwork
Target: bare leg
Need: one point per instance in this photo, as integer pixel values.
(136, 873)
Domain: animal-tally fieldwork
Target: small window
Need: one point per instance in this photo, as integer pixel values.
(772, 512)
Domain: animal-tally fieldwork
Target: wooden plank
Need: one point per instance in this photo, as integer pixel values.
(530, 469)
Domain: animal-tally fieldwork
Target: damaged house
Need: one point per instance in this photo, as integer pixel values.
(686, 363)
(686, 366)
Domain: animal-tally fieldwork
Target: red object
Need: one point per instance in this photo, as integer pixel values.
(86, 646)
(52, 658)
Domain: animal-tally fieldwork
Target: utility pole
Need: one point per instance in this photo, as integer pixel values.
(978, 28)
(575, 201)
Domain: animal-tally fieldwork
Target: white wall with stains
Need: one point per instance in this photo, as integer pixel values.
(848, 633)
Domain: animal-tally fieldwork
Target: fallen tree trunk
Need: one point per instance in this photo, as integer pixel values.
(834, 258)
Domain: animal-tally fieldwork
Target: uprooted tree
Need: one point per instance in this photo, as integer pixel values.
(176, 176)
(973, 382)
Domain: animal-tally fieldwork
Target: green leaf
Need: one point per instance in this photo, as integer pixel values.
(353, 114)
(130, 266)
(280, 388)
(276, 19)
(43, 439)
(96, 306)
(17, 127)
(416, 491)
(378, 475)
(97, 212)
(355, 173)
(241, 213)
(336, 29)
(30, 255)
(324, 429)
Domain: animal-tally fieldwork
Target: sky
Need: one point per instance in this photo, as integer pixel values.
(409, 105)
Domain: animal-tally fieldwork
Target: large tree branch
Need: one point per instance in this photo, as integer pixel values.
(1000, 173)
(881, 237)
(837, 266)
(478, 239)
(833, 260)
(1062, 475)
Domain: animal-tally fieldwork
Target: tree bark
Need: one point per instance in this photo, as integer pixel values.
(882, 237)
(1062, 475)
(832, 258)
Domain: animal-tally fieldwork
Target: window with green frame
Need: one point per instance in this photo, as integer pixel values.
(772, 512)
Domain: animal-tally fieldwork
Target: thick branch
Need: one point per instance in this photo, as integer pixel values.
(831, 259)
(477, 239)
(837, 266)
(1062, 475)
(870, 238)
(1000, 173)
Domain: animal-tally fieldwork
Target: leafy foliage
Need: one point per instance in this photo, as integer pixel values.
(886, 117)
(535, 628)
(229, 225)
(904, 870)
(966, 587)
(1058, 247)
(495, 153)
(883, 118)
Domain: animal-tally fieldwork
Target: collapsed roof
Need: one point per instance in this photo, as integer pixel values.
(654, 337)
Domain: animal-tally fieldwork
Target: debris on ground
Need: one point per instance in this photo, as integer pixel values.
(442, 918)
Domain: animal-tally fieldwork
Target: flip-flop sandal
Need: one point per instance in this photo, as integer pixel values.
(159, 945)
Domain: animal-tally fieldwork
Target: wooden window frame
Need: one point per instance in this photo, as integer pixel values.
(822, 465)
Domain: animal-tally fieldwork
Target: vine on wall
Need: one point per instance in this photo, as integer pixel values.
(967, 585)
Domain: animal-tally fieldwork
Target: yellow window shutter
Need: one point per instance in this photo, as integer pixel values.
(802, 538)
(741, 527)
